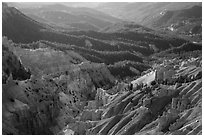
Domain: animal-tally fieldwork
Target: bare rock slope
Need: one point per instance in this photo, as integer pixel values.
(163, 108)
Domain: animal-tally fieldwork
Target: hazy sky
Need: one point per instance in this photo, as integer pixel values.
(36, 4)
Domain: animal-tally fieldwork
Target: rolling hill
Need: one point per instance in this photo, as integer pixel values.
(182, 18)
(125, 41)
(185, 22)
(69, 17)
(140, 11)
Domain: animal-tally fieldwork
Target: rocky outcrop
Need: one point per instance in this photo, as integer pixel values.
(92, 115)
(11, 65)
(47, 104)
(29, 107)
(160, 109)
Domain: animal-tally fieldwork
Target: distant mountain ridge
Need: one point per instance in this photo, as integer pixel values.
(139, 11)
(180, 18)
(68, 17)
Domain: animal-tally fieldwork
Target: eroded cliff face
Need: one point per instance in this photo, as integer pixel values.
(29, 107)
(82, 99)
(168, 108)
(161, 108)
(47, 105)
